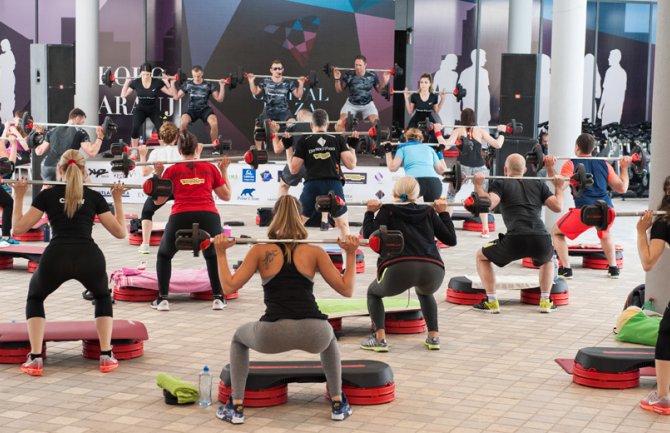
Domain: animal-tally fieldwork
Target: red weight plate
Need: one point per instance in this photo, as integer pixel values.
(477, 227)
(258, 398)
(392, 326)
(533, 298)
(134, 291)
(32, 266)
(597, 263)
(370, 396)
(134, 298)
(596, 379)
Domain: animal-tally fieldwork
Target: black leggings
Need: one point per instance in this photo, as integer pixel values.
(140, 115)
(211, 223)
(150, 208)
(430, 188)
(60, 262)
(425, 277)
(663, 342)
(7, 205)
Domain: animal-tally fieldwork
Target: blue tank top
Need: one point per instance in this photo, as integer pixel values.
(418, 159)
(598, 168)
(289, 295)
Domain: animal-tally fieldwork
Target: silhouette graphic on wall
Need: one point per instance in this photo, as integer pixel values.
(545, 85)
(7, 81)
(446, 78)
(467, 80)
(614, 90)
(589, 96)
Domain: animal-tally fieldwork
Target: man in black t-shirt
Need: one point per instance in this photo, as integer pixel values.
(322, 154)
(521, 207)
(360, 83)
(199, 92)
(62, 138)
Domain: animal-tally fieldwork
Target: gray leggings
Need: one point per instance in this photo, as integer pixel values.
(425, 277)
(310, 335)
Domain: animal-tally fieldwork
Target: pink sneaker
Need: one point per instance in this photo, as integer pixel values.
(108, 363)
(33, 367)
(657, 404)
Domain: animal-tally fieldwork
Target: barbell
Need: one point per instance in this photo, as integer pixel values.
(579, 181)
(154, 187)
(27, 122)
(459, 92)
(511, 128)
(396, 70)
(262, 134)
(253, 157)
(109, 78)
(331, 203)
(600, 215)
(377, 132)
(384, 242)
(311, 79)
(536, 158)
(117, 149)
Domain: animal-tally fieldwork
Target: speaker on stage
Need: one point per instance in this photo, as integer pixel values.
(512, 145)
(519, 91)
(52, 82)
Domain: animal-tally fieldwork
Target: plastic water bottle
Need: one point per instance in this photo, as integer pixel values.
(205, 387)
(555, 260)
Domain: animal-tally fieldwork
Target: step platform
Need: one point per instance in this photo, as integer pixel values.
(335, 254)
(402, 317)
(40, 232)
(610, 367)
(364, 382)
(127, 339)
(472, 223)
(33, 253)
(467, 290)
(592, 255)
(157, 230)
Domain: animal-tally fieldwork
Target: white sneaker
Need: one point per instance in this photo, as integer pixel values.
(160, 304)
(218, 304)
(144, 249)
(4, 244)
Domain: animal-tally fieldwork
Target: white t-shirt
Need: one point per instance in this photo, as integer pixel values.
(164, 153)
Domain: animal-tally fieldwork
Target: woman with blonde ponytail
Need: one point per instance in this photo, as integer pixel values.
(292, 320)
(71, 209)
(650, 251)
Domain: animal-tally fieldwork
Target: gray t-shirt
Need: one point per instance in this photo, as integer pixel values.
(198, 94)
(360, 88)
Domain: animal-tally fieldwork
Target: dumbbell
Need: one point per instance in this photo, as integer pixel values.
(331, 203)
(384, 242)
(253, 157)
(27, 122)
(600, 215)
(396, 70)
(459, 92)
(579, 181)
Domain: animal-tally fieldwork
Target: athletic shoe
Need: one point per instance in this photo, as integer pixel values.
(232, 413)
(485, 306)
(485, 234)
(565, 273)
(546, 306)
(324, 226)
(160, 304)
(4, 244)
(432, 343)
(11, 241)
(33, 367)
(108, 363)
(613, 272)
(340, 410)
(218, 304)
(657, 404)
(375, 345)
(144, 249)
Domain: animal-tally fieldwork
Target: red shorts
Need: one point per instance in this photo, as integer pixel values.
(571, 225)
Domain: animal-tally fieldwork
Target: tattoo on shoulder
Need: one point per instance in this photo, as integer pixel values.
(268, 258)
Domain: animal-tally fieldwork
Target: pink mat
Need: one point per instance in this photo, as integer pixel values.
(181, 281)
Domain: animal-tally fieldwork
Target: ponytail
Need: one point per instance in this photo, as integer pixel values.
(72, 164)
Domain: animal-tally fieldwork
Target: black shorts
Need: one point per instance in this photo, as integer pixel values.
(508, 248)
(430, 188)
(313, 188)
(199, 114)
(293, 179)
(663, 343)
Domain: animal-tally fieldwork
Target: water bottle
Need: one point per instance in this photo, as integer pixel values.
(46, 229)
(205, 387)
(555, 260)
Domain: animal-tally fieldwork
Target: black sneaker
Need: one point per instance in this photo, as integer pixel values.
(613, 272)
(565, 273)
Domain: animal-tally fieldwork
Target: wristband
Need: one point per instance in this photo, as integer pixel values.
(438, 134)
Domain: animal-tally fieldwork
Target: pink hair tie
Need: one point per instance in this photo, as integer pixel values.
(71, 161)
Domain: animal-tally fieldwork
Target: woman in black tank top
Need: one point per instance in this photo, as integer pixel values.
(292, 320)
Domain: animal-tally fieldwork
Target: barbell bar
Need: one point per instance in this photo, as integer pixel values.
(396, 70)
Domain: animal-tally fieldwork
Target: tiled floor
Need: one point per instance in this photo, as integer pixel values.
(494, 373)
